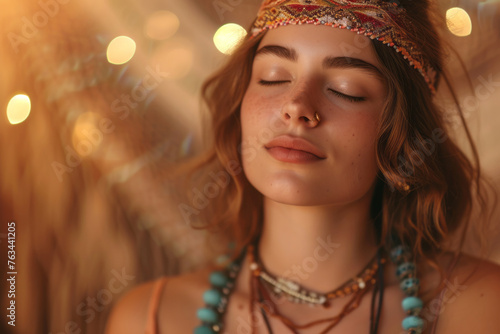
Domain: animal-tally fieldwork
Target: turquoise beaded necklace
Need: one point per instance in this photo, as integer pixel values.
(222, 284)
(409, 283)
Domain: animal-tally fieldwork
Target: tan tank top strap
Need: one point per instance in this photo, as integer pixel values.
(152, 320)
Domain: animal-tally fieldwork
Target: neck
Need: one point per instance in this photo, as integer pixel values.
(318, 247)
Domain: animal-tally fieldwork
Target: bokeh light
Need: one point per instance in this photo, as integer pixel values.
(175, 57)
(228, 37)
(161, 25)
(459, 22)
(87, 137)
(18, 108)
(121, 50)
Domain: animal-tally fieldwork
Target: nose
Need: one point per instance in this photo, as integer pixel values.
(300, 110)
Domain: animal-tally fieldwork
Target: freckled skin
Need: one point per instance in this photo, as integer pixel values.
(346, 133)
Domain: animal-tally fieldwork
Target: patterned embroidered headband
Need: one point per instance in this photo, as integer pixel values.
(385, 21)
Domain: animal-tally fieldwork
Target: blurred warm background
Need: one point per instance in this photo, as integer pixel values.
(99, 101)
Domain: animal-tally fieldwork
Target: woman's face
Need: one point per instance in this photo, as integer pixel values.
(288, 155)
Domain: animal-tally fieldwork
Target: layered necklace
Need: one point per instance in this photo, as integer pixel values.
(281, 286)
(262, 283)
(266, 287)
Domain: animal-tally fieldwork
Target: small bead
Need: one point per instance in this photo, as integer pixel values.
(412, 304)
(218, 278)
(399, 253)
(415, 331)
(410, 285)
(405, 270)
(413, 322)
(208, 315)
(212, 297)
(203, 330)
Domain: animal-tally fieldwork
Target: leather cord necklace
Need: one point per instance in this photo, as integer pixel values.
(266, 305)
(223, 282)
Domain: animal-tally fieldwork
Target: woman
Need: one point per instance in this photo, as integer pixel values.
(345, 186)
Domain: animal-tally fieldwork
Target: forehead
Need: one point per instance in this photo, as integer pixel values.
(311, 40)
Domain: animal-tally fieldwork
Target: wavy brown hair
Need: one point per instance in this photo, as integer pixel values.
(426, 185)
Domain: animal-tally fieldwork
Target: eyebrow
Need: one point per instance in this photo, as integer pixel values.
(329, 62)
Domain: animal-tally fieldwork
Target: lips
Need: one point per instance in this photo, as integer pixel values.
(293, 149)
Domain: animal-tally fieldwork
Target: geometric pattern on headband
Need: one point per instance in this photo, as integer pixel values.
(380, 20)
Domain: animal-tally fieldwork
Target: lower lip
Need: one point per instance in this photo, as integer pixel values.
(289, 155)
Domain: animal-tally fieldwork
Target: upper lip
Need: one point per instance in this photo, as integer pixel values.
(295, 143)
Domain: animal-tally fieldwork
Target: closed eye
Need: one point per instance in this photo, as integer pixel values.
(348, 97)
(336, 93)
(270, 83)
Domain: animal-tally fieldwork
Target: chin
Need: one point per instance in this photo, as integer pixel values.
(305, 188)
(293, 199)
(300, 194)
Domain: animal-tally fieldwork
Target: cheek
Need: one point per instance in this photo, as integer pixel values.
(260, 119)
(251, 115)
(358, 135)
(364, 143)
(248, 119)
(250, 111)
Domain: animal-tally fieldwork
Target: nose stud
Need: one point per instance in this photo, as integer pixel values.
(316, 117)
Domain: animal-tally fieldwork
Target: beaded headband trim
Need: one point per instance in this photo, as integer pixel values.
(385, 21)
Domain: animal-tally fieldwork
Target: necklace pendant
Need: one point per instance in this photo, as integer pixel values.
(323, 300)
(288, 283)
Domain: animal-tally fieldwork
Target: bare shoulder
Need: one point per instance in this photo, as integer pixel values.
(472, 298)
(129, 315)
(180, 298)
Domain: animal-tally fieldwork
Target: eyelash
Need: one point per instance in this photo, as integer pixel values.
(339, 94)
